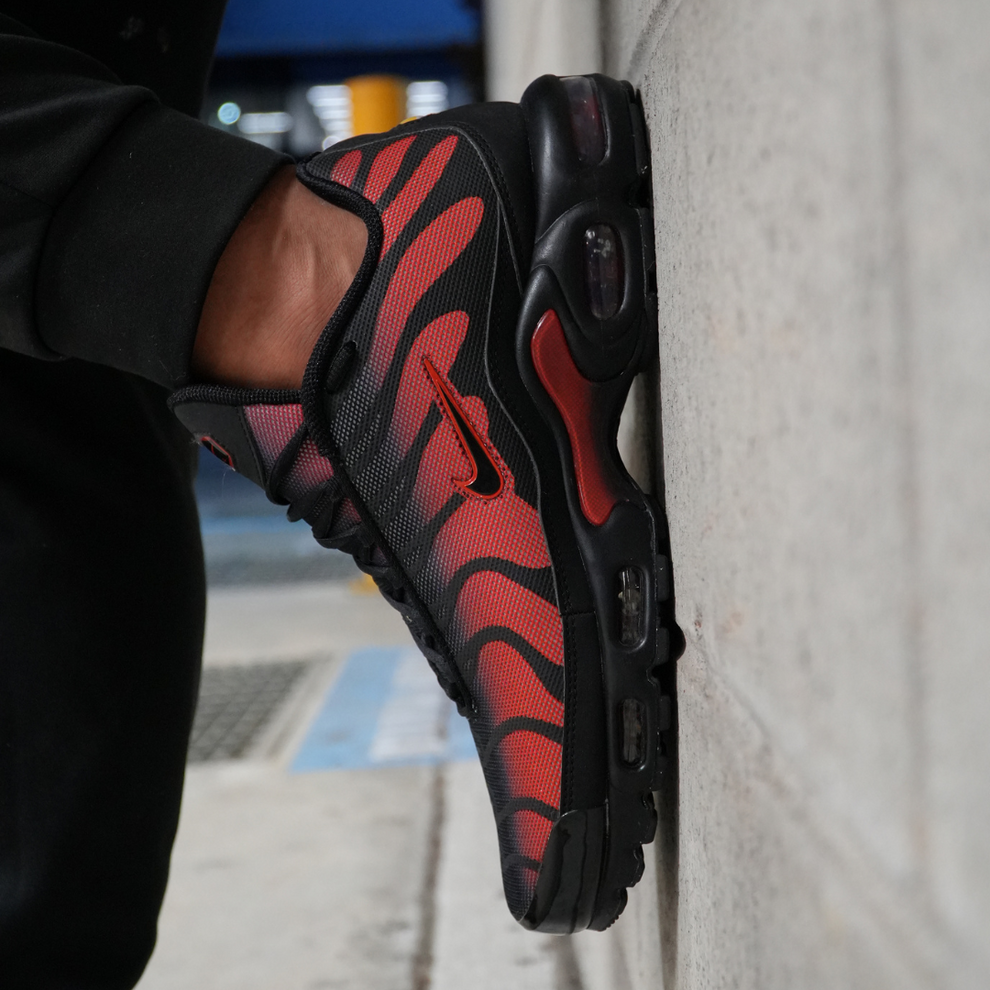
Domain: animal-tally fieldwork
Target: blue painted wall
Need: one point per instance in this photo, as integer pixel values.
(297, 27)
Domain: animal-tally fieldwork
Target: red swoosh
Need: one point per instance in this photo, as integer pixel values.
(486, 478)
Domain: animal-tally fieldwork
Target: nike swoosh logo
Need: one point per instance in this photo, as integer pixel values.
(486, 478)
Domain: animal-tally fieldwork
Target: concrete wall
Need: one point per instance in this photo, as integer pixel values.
(822, 193)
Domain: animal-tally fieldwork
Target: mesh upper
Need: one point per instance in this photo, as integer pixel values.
(480, 565)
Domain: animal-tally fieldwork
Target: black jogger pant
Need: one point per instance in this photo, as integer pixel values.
(114, 207)
(101, 627)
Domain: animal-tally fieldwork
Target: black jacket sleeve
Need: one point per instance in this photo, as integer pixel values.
(114, 210)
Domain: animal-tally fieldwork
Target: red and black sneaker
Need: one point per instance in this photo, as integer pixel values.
(455, 432)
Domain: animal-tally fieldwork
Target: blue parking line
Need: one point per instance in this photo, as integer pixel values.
(375, 714)
(242, 525)
(342, 732)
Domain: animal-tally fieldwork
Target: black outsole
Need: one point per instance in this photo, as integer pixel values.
(595, 853)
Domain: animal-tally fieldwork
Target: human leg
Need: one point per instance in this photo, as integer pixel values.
(113, 213)
(101, 623)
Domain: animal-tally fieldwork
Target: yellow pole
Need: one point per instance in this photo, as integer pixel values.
(378, 103)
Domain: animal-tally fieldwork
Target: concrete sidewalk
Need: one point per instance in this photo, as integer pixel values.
(374, 876)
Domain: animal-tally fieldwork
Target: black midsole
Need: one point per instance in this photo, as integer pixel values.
(595, 849)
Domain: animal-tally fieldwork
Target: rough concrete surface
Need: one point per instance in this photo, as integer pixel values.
(297, 620)
(305, 881)
(823, 206)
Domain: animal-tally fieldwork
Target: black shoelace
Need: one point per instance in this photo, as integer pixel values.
(319, 508)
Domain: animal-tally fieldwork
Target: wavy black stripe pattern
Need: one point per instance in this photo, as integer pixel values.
(361, 417)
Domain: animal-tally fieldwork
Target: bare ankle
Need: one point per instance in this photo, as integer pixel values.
(278, 281)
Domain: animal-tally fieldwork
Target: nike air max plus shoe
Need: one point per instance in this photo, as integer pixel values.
(455, 432)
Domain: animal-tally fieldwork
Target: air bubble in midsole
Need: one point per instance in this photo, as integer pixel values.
(603, 270)
(632, 607)
(586, 119)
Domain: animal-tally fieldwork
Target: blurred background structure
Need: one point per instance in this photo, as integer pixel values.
(298, 76)
(822, 205)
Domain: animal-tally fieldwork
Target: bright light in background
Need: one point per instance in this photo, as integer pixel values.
(229, 113)
(332, 106)
(425, 96)
(277, 122)
(334, 109)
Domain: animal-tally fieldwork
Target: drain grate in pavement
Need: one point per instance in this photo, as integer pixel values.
(235, 704)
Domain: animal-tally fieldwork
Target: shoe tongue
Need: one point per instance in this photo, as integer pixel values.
(251, 437)
(249, 432)
(272, 427)
(221, 428)
(275, 427)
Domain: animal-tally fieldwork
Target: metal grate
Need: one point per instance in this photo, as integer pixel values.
(235, 704)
